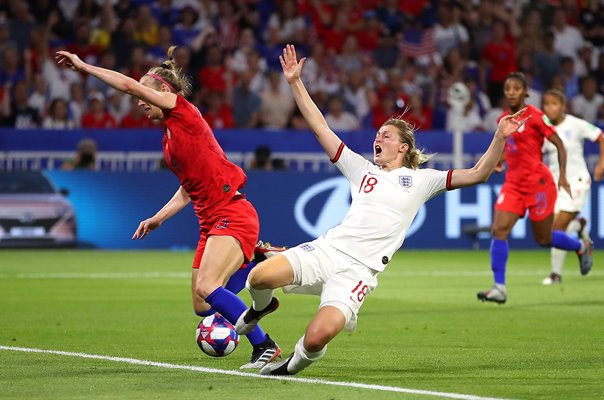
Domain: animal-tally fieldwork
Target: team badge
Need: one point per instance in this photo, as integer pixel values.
(405, 181)
(307, 247)
(223, 224)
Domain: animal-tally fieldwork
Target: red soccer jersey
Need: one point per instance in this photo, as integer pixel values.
(523, 149)
(193, 154)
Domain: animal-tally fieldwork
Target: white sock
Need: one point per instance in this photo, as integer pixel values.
(574, 226)
(558, 257)
(303, 358)
(261, 297)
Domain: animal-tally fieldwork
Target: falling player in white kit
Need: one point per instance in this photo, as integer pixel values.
(342, 266)
(573, 131)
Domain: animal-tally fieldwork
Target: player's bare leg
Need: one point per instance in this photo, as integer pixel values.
(271, 274)
(221, 258)
(562, 222)
(503, 222)
(326, 325)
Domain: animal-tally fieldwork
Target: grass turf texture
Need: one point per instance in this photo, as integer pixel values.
(422, 328)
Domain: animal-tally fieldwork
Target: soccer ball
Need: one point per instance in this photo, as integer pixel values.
(216, 336)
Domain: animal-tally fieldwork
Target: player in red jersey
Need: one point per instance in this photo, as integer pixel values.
(228, 222)
(529, 184)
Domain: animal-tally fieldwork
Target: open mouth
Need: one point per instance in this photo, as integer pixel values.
(377, 149)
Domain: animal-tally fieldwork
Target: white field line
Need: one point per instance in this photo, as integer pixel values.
(187, 275)
(134, 361)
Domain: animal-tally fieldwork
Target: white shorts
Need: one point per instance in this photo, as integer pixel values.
(580, 190)
(340, 280)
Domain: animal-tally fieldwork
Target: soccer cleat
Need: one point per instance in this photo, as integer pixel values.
(263, 354)
(585, 259)
(496, 294)
(264, 250)
(248, 320)
(277, 368)
(552, 279)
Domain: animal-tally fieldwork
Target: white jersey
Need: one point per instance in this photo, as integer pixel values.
(573, 131)
(384, 204)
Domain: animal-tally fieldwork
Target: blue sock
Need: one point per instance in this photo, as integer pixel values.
(231, 307)
(237, 281)
(562, 240)
(499, 259)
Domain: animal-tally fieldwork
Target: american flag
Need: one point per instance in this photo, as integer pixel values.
(418, 42)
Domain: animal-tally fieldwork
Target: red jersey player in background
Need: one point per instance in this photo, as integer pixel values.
(528, 184)
(228, 222)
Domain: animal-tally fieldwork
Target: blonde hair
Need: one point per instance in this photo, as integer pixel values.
(414, 157)
(172, 74)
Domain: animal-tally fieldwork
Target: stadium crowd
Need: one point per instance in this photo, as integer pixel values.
(366, 59)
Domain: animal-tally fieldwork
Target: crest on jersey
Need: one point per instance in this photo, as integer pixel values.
(405, 181)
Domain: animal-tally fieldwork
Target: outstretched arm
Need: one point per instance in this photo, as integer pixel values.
(484, 167)
(292, 69)
(123, 83)
(177, 202)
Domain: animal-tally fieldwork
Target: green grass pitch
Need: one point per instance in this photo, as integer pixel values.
(421, 329)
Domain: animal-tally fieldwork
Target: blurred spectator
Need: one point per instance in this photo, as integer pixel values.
(333, 36)
(218, 114)
(383, 110)
(547, 60)
(262, 160)
(247, 45)
(77, 103)
(138, 63)
(418, 114)
(480, 25)
(96, 116)
(449, 32)
(57, 116)
(165, 13)
(118, 104)
(107, 60)
(39, 97)
(256, 67)
(214, 76)
(227, 24)
(85, 157)
(187, 30)
(339, 119)
(297, 121)
(357, 94)
(87, 10)
(13, 71)
(101, 34)
(532, 32)
(387, 52)
(569, 77)
(587, 60)
(123, 8)
(598, 73)
(390, 16)
(5, 39)
(136, 117)
(534, 96)
(499, 56)
(22, 23)
(491, 119)
(368, 36)
(123, 41)
(350, 58)
(277, 104)
(16, 112)
(157, 53)
(246, 104)
(289, 24)
(481, 101)
(146, 29)
(587, 103)
(592, 21)
(82, 46)
(567, 40)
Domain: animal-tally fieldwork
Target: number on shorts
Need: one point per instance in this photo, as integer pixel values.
(368, 184)
(361, 293)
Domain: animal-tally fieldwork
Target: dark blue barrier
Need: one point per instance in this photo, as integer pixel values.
(235, 140)
(293, 208)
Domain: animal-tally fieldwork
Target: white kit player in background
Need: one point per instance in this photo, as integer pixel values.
(573, 131)
(342, 266)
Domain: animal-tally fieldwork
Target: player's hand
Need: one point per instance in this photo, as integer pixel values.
(510, 124)
(69, 60)
(563, 184)
(500, 167)
(292, 69)
(599, 171)
(145, 227)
